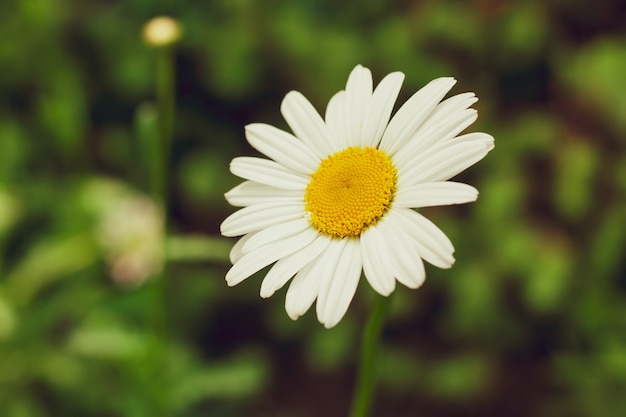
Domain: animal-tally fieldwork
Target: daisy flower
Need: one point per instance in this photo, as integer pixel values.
(337, 198)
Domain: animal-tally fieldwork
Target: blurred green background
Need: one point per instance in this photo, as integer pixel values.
(529, 322)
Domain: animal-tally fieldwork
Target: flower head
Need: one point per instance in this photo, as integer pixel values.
(338, 196)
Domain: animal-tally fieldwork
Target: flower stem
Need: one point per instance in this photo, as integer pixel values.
(165, 106)
(159, 155)
(364, 390)
(159, 177)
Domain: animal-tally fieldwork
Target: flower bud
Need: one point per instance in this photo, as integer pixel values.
(162, 31)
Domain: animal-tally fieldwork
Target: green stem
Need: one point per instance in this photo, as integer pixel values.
(159, 172)
(159, 181)
(364, 390)
(165, 110)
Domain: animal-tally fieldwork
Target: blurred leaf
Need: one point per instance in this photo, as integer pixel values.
(43, 14)
(24, 407)
(329, 348)
(546, 285)
(63, 111)
(10, 210)
(574, 186)
(198, 248)
(202, 177)
(48, 262)
(608, 243)
(125, 59)
(458, 378)
(530, 133)
(103, 336)
(436, 19)
(14, 149)
(525, 29)
(8, 320)
(61, 370)
(596, 73)
(235, 378)
(399, 368)
(502, 197)
(475, 301)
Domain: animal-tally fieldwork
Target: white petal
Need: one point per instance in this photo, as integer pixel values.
(258, 259)
(282, 147)
(236, 253)
(474, 137)
(377, 265)
(268, 172)
(451, 105)
(304, 287)
(434, 194)
(358, 95)
(328, 272)
(336, 119)
(411, 272)
(412, 113)
(338, 287)
(443, 163)
(257, 217)
(379, 109)
(249, 192)
(457, 163)
(443, 113)
(407, 262)
(307, 124)
(429, 137)
(288, 266)
(432, 244)
(276, 232)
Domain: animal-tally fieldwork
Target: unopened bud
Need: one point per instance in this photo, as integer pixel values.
(162, 31)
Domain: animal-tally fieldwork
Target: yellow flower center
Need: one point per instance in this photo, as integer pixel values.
(351, 190)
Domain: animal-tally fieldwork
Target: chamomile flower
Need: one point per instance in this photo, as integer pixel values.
(337, 198)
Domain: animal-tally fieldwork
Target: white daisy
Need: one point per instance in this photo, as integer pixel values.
(338, 197)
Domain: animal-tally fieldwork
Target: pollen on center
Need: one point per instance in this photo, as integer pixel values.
(350, 191)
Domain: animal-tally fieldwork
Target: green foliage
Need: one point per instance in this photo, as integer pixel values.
(530, 321)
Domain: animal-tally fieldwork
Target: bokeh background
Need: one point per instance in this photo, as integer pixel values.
(530, 321)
